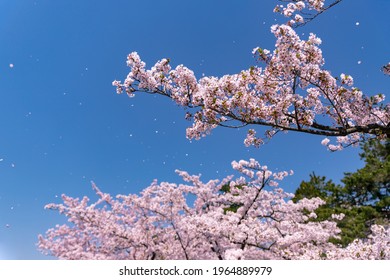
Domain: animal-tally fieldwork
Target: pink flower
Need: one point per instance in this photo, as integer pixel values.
(325, 142)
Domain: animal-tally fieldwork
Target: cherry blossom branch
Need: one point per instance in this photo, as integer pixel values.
(295, 10)
(293, 92)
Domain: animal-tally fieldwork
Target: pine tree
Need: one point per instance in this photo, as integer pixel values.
(363, 196)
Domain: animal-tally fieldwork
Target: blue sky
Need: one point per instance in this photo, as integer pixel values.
(62, 124)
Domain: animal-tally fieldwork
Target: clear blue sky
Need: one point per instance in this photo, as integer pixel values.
(62, 124)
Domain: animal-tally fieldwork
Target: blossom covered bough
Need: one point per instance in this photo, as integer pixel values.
(292, 92)
(249, 217)
(295, 10)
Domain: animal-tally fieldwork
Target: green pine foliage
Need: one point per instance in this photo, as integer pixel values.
(370, 186)
(363, 196)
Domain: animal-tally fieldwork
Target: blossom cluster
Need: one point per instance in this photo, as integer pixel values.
(248, 217)
(292, 8)
(302, 11)
(292, 92)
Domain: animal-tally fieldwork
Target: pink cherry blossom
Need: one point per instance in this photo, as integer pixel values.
(292, 92)
(301, 12)
(243, 217)
(249, 217)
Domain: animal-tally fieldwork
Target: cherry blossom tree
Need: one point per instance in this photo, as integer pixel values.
(162, 223)
(291, 92)
(248, 217)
